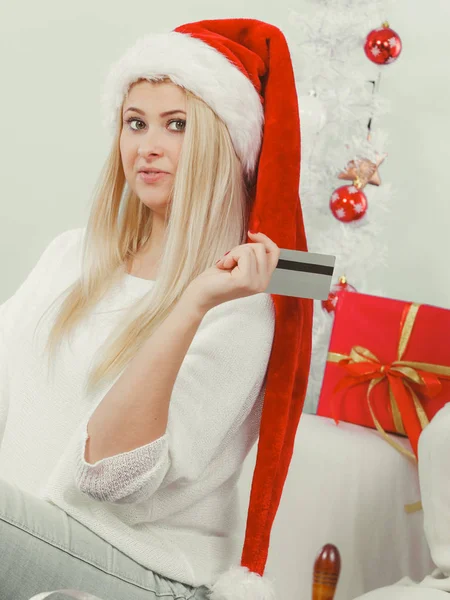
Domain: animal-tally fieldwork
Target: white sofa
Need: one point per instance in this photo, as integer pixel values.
(348, 487)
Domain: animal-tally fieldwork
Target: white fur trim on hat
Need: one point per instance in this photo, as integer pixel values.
(238, 583)
(192, 64)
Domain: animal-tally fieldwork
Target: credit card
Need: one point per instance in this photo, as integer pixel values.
(302, 274)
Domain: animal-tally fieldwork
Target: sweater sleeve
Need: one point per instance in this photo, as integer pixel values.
(12, 309)
(217, 385)
(123, 478)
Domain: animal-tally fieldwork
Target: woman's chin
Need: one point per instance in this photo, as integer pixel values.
(157, 205)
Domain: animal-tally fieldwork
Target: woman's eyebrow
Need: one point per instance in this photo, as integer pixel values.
(164, 114)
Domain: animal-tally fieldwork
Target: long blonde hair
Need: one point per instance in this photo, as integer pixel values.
(207, 215)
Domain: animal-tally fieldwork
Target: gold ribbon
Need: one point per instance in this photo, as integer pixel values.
(362, 365)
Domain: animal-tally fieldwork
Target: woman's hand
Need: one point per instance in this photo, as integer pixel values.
(243, 271)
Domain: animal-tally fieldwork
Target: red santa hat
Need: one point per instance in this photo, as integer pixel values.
(242, 69)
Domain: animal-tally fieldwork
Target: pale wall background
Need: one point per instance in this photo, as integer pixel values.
(54, 57)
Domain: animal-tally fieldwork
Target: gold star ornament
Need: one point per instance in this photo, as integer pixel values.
(362, 172)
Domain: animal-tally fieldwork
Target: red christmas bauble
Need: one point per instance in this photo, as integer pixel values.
(330, 303)
(383, 45)
(348, 203)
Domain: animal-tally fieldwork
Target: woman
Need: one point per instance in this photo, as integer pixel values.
(118, 473)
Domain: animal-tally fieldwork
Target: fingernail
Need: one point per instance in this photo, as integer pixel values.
(222, 257)
(250, 231)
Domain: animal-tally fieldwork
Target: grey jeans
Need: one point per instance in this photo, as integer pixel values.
(42, 549)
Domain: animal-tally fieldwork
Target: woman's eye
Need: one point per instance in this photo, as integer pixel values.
(129, 121)
(178, 121)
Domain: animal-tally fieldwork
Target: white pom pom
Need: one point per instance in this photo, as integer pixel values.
(239, 583)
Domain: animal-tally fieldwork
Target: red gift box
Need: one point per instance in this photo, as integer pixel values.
(388, 365)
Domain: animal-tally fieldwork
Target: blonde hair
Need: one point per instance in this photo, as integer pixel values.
(207, 215)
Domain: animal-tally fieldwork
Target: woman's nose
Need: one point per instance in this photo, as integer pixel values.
(151, 144)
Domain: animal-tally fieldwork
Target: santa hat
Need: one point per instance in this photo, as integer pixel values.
(242, 69)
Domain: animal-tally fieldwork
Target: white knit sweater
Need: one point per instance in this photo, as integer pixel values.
(171, 505)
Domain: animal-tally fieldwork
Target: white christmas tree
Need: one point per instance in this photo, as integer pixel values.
(338, 93)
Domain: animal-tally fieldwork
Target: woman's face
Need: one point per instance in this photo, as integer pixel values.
(152, 139)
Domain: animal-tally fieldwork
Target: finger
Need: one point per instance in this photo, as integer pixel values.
(232, 252)
(232, 256)
(221, 262)
(272, 248)
(246, 267)
(262, 261)
(264, 239)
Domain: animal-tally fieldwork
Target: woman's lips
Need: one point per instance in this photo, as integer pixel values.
(152, 177)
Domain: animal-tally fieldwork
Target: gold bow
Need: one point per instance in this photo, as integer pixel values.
(362, 365)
